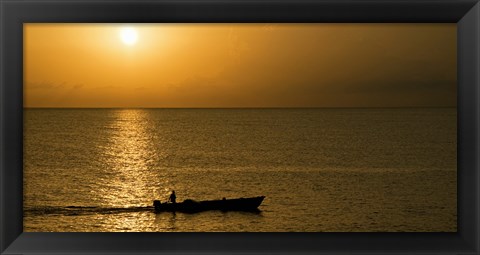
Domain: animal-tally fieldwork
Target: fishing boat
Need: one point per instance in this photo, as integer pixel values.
(192, 206)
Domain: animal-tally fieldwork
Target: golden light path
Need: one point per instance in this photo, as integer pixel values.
(131, 178)
(129, 157)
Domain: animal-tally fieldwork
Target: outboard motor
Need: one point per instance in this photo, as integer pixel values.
(157, 204)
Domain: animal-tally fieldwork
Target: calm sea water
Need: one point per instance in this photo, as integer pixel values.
(320, 169)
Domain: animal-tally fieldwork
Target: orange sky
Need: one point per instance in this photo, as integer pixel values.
(240, 65)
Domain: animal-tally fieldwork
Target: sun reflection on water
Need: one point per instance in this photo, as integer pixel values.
(130, 176)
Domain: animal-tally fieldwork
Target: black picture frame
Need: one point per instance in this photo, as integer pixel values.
(13, 13)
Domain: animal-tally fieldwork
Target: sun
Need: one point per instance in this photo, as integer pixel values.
(128, 35)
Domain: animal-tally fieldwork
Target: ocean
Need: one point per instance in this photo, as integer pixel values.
(320, 170)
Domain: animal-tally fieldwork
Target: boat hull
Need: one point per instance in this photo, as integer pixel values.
(190, 206)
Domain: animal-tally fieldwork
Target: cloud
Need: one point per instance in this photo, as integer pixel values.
(43, 85)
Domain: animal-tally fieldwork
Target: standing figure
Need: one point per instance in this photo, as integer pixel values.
(173, 198)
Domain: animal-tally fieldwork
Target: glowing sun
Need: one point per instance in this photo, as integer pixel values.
(128, 35)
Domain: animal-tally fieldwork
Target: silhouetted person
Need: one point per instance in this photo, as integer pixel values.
(173, 198)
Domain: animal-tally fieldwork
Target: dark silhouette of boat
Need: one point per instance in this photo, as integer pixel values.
(191, 206)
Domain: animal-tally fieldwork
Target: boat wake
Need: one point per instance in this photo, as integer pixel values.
(83, 210)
